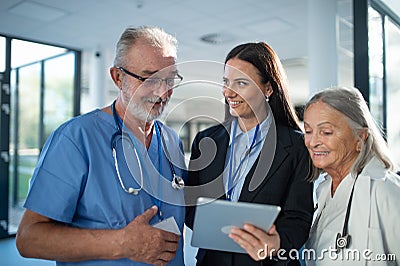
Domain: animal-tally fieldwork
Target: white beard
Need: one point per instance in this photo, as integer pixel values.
(139, 111)
(137, 107)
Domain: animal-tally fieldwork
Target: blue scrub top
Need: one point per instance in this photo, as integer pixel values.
(75, 181)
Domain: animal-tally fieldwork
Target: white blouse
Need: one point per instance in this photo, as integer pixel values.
(328, 223)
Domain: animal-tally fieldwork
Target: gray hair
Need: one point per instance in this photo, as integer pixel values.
(350, 102)
(155, 36)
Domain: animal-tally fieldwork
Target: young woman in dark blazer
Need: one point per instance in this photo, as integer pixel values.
(257, 155)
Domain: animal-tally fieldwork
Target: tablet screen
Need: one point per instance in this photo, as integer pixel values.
(214, 219)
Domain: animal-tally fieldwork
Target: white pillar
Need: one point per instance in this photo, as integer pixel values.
(322, 44)
(97, 79)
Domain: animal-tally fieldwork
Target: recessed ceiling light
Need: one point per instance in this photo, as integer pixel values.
(217, 38)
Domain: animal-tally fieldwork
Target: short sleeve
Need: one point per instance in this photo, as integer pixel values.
(58, 179)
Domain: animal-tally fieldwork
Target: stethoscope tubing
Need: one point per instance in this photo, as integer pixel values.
(177, 181)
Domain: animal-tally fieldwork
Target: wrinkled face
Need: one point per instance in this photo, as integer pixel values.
(147, 100)
(330, 140)
(243, 90)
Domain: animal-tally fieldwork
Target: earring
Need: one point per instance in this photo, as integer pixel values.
(267, 98)
(359, 146)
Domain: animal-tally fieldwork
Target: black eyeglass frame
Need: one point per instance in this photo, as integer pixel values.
(142, 79)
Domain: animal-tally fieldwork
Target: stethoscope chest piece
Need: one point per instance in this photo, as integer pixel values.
(134, 191)
(177, 182)
(342, 241)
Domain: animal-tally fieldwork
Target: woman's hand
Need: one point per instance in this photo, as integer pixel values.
(258, 243)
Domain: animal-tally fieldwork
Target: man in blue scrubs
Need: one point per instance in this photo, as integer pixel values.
(105, 178)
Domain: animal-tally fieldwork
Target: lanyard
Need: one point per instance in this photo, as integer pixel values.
(231, 178)
(159, 149)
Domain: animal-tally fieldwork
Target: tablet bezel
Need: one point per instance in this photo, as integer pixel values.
(214, 217)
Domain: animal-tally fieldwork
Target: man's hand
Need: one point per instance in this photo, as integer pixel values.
(144, 243)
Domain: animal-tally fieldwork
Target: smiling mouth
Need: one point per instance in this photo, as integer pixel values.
(320, 153)
(157, 101)
(234, 103)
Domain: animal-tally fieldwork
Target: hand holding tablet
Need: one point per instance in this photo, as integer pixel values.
(214, 220)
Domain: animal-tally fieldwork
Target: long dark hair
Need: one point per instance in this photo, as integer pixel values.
(270, 69)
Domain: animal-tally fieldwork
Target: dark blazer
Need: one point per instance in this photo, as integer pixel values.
(277, 178)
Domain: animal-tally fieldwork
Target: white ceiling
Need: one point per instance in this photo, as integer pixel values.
(86, 24)
(97, 24)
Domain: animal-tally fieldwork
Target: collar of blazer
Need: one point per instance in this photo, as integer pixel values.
(272, 154)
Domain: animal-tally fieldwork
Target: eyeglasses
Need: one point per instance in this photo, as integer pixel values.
(155, 83)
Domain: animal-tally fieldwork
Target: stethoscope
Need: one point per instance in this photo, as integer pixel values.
(343, 239)
(177, 181)
(232, 176)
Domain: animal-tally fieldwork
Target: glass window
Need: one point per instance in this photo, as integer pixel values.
(42, 97)
(392, 35)
(375, 44)
(183, 130)
(21, 57)
(59, 93)
(345, 28)
(28, 127)
(2, 54)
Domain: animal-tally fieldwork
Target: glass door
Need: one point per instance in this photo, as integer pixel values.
(43, 92)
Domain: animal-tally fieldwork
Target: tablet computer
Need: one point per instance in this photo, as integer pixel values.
(214, 218)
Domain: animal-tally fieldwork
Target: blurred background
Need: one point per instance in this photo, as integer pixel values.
(55, 56)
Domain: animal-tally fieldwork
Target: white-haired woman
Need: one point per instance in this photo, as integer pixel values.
(358, 213)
